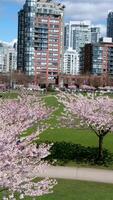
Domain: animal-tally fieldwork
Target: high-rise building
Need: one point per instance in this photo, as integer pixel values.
(110, 25)
(66, 36)
(95, 34)
(8, 58)
(98, 57)
(41, 39)
(77, 33)
(71, 62)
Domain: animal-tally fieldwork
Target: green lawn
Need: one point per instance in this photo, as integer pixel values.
(78, 190)
(84, 137)
(51, 101)
(9, 95)
(55, 133)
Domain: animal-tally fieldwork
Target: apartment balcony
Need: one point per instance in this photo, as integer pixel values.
(38, 41)
(41, 31)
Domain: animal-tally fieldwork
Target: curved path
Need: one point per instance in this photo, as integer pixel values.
(76, 173)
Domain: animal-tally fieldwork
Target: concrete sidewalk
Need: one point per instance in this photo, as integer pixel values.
(76, 173)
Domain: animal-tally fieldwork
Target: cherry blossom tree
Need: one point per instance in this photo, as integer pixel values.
(97, 113)
(20, 159)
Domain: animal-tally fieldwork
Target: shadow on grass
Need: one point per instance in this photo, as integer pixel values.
(65, 152)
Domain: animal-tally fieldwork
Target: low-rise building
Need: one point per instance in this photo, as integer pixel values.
(98, 57)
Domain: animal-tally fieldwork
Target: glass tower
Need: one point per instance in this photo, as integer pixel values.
(110, 25)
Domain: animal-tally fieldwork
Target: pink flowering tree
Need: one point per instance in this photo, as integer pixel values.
(95, 113)
(20, 159)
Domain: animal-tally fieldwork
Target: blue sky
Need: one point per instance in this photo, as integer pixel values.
(94, 10)
(8, 19)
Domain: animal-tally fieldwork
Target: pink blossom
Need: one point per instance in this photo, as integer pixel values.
(97, 113)
(20, 160)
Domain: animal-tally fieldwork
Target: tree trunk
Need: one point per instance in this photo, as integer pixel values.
(100, 152)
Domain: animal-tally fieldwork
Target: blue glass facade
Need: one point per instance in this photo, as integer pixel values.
(97, 60)
(26, 37)
(110, 25)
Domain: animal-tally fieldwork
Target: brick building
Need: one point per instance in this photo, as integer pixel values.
(40, 40)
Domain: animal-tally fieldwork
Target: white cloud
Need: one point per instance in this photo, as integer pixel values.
(92, 10)
(95, 10)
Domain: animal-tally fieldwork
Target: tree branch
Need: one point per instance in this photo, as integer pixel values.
(94, 130)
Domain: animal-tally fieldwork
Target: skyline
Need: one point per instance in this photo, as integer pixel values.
(96, 11)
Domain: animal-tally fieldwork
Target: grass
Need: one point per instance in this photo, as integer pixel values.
(78, 190)
(84, 137)
(55, 133)
(76, 136)
(69, 135)
(51, 101)
(9, 95)
(29, 130)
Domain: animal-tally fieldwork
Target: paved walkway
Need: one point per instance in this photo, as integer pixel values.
(76, 173)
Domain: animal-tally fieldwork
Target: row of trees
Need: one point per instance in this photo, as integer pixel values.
(92, 80)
